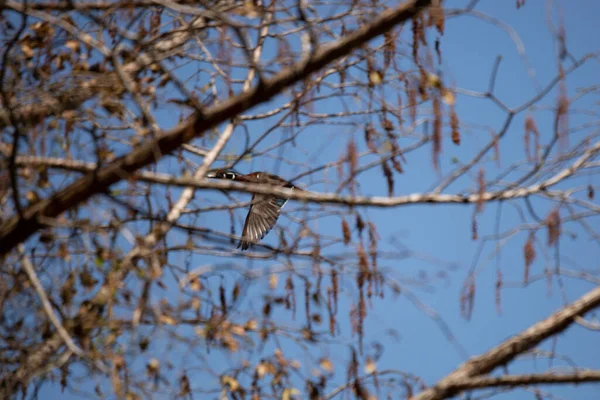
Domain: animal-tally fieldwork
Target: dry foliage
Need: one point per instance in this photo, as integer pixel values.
(120, 276)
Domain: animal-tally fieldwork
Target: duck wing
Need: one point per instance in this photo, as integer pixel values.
(261, 218)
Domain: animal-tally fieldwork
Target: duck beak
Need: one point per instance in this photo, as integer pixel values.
(211, 174)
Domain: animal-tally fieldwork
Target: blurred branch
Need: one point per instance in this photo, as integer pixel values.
(71, 98)
(16, 229)
(62, 332)
(97, 5)
(145, 246)
(35, 282)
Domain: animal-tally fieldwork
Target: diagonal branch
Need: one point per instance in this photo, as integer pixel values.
(35, 282)
(62, 332)
(456, 382)
(16, 229)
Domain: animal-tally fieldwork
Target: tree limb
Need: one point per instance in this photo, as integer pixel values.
(198, 182)
(505, 352)
(549, 378)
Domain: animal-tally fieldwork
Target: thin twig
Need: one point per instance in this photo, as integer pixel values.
(35, 282)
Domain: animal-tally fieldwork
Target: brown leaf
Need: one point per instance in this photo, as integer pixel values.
(360, 225)
(363, 263)
(86, 279)
(389, 47)
(496, 146)
(387, 125)
(423, 84)
(436, 17)
(346, 232)
(369, 138)
(498, 291)
(335, 287)
(467, 298)
(387, 172)
(553, 223)
(63, 252)
(67, 291)
(437, 131)
(411, 94)
(184, 386)
(531, 129)
(352, 157)
(529, 255)
(417, 28)
(235, 292)
(223, 299)
(561, 123)
(481, 190)
(454, 126)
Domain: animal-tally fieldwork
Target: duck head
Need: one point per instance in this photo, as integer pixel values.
(229, 174)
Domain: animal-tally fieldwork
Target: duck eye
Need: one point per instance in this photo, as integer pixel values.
(229, 175)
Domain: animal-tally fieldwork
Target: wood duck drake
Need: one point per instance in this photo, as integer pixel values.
(264, 209)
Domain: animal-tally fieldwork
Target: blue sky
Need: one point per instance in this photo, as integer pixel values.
(469, 48)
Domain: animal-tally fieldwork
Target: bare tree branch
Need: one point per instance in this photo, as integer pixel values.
(509, 349)
(62, 332)
(331, 198)
(548, 378)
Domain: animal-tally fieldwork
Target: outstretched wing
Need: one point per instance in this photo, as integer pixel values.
(261, 218)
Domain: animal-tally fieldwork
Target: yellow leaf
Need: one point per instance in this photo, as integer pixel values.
(230, 343)
(196, 303)
(273, 280)
(270, 368)
(32, 196)
(167, 319)
(448, 97)
(248, 9)
(230, 381)
(375, 77)
(153, 365)
(72, 45)
(326, 364)
(238, 330)
(370, 366)
(251, 325)
(288, 393)
(434, 81)
(261, 370)
(195, 284)
(27, 51)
